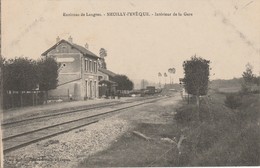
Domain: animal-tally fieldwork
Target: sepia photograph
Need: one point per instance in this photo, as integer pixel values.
(131, 83)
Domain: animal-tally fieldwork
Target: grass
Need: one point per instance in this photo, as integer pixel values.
(229, 89)
(225, 137)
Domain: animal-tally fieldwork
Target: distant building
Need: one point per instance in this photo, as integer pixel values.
(144, 83)
(78, 73)
(107, 86)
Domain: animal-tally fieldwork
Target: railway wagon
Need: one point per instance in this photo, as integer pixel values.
(150, 90)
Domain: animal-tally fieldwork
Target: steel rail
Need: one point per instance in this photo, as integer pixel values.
(66, 112)
(6, 150)
(57, 113)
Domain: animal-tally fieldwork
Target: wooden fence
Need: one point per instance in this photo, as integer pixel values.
(12, 99)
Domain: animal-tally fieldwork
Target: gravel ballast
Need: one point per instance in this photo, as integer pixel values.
(68, 149)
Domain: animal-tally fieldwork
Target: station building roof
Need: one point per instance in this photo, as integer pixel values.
(108, 72)
(81, 49)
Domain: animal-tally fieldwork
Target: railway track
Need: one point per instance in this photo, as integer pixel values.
(58, 113)
(19, 140)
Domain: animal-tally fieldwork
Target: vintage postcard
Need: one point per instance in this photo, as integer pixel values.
(130, 83)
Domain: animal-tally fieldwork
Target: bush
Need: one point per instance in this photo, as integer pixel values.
(233, 101)
(245, 88)
(207, 136)
(186, 114)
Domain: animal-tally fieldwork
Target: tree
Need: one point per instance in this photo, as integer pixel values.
(48, 74)
(123, 82)
(1, 84)
(102, 54)
(171, 71)
(249, 79)
(165, 76)
(159, 76)
(248, 75)
(196, 77)
(20, 74)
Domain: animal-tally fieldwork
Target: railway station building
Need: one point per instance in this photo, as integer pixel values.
(78, 73)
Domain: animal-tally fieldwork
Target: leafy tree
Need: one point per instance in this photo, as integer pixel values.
(248, 75)
(171, 71)
(196, 77)
(1, 83)
(7, 80)
(20, 74)
(103, 54)
(124, 83)
(159, 76)
(103, 63)
(249, 79)
(165, 76)
(48, 74)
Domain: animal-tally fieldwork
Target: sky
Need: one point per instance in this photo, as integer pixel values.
(226, 32)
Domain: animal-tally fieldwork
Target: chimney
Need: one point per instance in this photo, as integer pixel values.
(57, 39)
(70, 39)
(86, 46)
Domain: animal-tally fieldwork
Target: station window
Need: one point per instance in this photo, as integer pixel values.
(95, 66)
(90, 66)
(86, 65)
